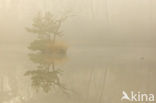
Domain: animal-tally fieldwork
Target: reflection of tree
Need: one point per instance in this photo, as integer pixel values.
(44, 79)
(47, 52)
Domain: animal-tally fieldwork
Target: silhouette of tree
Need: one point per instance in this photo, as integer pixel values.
(47, 52)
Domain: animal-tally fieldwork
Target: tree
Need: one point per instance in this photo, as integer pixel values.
(47, 52)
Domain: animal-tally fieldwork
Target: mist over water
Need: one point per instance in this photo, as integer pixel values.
(110, 48)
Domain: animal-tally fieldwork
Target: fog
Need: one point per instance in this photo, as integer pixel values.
(109, 47)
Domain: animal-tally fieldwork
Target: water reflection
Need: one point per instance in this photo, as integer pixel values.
(44, 79)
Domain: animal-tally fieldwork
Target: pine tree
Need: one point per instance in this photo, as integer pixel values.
(47, 52)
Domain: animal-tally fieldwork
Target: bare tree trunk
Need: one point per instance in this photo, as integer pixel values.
(89, 84)
(107, 13)
(103, 86)
(92, 9)
(1, 84)
(53, 66)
